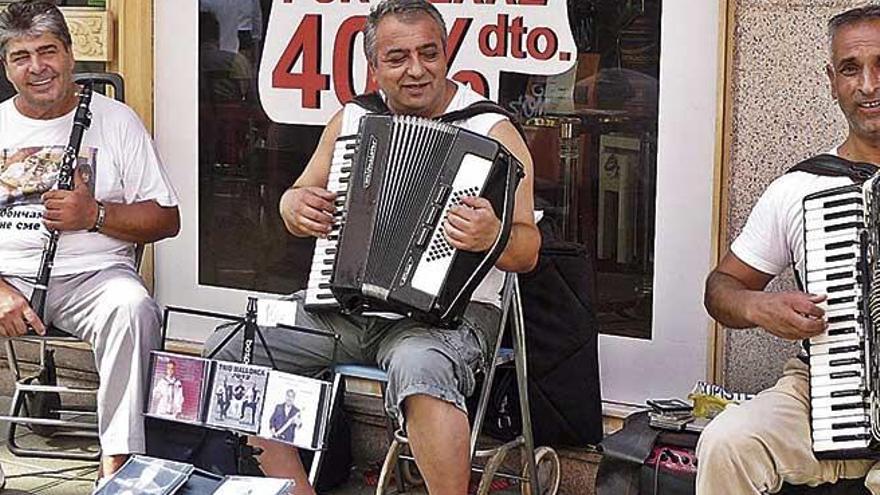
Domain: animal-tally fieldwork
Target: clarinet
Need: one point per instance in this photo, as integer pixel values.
(82, 119)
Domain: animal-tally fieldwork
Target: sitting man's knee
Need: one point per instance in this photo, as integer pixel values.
(725, 439)
(131, 297)
(418, 365)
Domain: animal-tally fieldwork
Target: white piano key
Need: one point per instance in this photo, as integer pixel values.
(829, 434)
(827, 412)
(829, 402)
(827, 359)
(820, 370)
(838, 339)
(855, 383)
(829, 276)
(820, 234)
(828, 348)
(819, 378)
(828, 446)
(829, 423)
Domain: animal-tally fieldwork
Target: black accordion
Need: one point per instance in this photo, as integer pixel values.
(396, 180)
(841, 243)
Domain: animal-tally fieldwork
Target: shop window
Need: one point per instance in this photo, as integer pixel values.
(592, 132)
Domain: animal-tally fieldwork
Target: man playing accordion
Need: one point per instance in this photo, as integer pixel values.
(431, 370)
(765, 442)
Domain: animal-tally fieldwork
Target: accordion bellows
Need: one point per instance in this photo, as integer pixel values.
(397, 180)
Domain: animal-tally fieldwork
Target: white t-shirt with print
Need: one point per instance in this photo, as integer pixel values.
(773, 237)
(123, 162)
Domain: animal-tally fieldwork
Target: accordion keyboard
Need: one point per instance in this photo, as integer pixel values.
(833, 226)
(318, 294)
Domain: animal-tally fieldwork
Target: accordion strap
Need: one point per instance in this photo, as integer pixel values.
(374, 103)
(834, 166)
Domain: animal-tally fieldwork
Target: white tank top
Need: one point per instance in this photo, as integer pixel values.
(489, 291)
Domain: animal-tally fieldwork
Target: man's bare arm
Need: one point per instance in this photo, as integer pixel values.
(735, 297)
(307, 207)
(140, 222)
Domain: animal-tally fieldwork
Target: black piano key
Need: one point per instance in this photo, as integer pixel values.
(324, 285)
(840, 275)
(838, 319)
(347, 157)
(345, 170)
(851, 424)
(344, 179)
(841, 300)
(841, 287)
(844, 362)
(326, 272)
(328, 262)
(846, 393)
(839, 245)
(843, 374)
(842, 331)
(843, 349)
(843, 214)
(840, 257)
(324, 296)
(844, 407)
(849, 438)
(844, 226)
(842, 202)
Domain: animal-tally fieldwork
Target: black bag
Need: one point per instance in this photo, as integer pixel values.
(216, 451)
(563, 360)
(226, 453)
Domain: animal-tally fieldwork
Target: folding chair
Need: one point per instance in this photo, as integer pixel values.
(36, 400)
(540, 464)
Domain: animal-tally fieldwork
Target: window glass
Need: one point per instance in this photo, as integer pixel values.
(592, 133)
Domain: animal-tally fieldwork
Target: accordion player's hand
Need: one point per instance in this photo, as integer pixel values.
(308, 211)
(790, 315)
(473, 225)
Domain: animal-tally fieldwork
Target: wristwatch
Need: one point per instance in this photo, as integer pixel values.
(102, 215)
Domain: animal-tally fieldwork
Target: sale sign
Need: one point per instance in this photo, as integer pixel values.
(313, 59)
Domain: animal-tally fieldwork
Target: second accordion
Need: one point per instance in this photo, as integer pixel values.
(396, 181)
(841, 241)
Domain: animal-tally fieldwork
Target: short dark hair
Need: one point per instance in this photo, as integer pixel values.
(32, 18)
(404, 8)
(852, 16)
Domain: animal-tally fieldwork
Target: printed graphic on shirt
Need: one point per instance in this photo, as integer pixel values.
(27, 173)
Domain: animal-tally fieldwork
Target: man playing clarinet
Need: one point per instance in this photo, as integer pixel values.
(121, 197)
(757, 446)
(431, 370)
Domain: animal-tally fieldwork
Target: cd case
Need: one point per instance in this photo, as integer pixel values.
(236, 397)
(250, 399)
(296, 410)
(141, 474)
(177, 387)
(150, 475)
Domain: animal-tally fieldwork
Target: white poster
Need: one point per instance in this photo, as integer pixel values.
(313, 59)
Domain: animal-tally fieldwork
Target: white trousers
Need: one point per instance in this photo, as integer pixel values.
(755, 447)
(111, 310)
